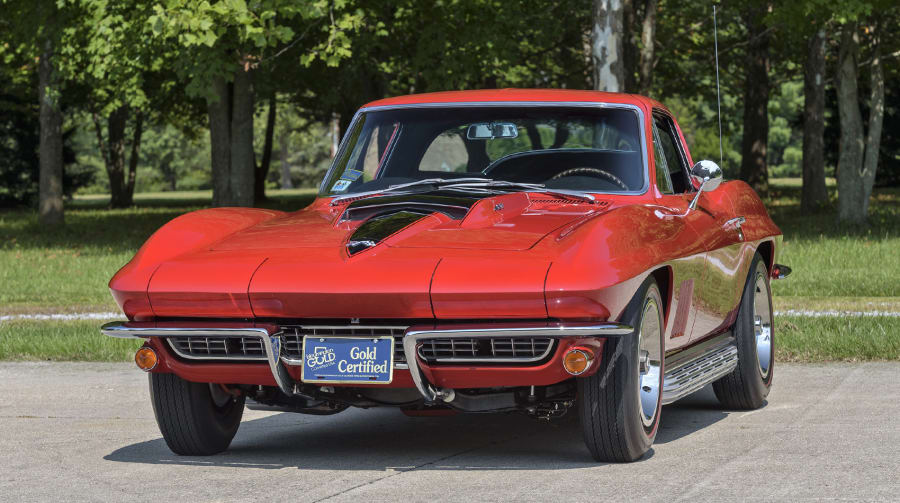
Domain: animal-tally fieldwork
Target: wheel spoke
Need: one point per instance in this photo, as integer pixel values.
(762, 325)
(649, 362)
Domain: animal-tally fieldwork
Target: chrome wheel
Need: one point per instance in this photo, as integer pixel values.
(762, 323)
(649, 361)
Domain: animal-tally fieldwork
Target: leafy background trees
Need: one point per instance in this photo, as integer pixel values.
(239, 96)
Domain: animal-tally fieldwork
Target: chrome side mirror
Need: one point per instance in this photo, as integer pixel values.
(709, 174)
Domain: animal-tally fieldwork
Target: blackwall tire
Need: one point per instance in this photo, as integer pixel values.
(747, 387)
(620, 404)
(195, 419)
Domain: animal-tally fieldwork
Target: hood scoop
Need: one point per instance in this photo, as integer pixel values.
(455, 207)
(376, 228)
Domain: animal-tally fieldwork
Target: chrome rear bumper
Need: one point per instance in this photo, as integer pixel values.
(271, 338)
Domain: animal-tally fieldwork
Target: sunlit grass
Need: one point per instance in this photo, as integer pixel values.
(850, 338)
(67, 268)
(62, 341)
(834, 260)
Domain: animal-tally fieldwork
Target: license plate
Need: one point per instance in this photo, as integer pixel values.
(348, 359)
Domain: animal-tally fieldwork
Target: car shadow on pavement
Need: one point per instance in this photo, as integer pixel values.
(379, 439)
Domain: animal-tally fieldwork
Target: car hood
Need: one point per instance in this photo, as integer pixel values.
(305, 264)
(508, 222)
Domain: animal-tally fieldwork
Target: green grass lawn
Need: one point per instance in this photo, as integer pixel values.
(67, 269)
(62, 341)
(830, 260)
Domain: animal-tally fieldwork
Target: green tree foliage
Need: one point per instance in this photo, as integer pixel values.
(20, 112)
(412, 46)
(224, 48)
(177, 94)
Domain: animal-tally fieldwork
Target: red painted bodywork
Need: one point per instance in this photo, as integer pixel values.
(534, 257)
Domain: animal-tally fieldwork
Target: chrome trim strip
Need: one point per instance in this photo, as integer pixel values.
(284, 380)
(691, 375)
(543, 330)
(466, 104)
(352, 327)
(121, 330)
(415, 334)
(271, 342)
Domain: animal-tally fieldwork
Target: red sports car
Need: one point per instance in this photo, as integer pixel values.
(537, 251)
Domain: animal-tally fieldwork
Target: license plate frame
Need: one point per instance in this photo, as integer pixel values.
(327, 372)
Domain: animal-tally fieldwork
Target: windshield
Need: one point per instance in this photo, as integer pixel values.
(587, 149)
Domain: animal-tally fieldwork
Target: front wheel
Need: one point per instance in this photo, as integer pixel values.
(620, 404)
(195, 419)
(747, 386)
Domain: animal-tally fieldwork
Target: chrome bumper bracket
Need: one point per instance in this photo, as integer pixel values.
(271, 342)
(414, 335)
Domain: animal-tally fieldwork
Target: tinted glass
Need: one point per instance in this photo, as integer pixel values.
(589, 149)
(674, 162)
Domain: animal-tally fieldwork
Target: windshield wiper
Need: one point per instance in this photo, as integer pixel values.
(478, 185)
(403, 187)
(486, 186)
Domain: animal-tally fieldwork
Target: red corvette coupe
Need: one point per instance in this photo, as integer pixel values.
(505, 250)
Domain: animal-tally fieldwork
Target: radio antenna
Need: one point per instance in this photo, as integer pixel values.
(718, 92)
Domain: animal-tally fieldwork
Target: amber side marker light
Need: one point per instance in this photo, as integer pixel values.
(146, 359)
(578, 360)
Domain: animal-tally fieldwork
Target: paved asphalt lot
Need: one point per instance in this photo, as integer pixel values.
(72, 432)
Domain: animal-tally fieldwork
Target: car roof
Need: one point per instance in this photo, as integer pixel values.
(518, 95)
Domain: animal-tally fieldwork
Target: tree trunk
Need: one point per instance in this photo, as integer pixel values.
(285, 167)
(851, 194)
(477, 153)
(338, 130)
(648, 41)
(135, 156)
(560, 136)
(169, 172)
(631, 39)
(876, 118)
(50, 162)
(754, 144)
(262, 170)
(814, 195)
(607, 44)
(219, 109)
(115, 161)
(534, 136)
(242, 156)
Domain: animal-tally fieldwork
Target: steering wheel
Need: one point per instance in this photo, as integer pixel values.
(591, 171)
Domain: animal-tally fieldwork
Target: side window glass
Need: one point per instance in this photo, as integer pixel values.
(663, 182)
(674, 162)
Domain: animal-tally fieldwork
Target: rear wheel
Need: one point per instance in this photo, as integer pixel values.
(748, 385)
(195, 419)
(620, 404)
